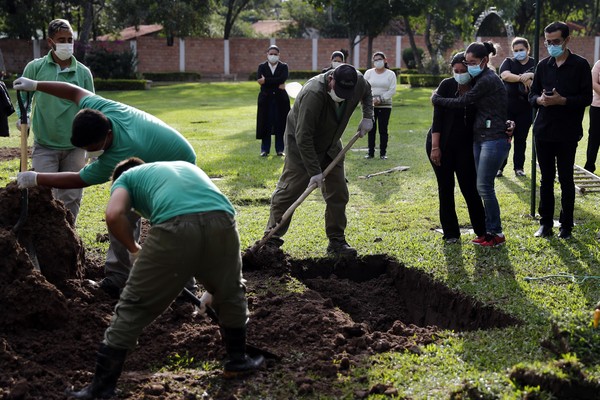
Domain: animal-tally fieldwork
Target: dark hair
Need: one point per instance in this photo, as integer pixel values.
(89, 127)
(558, 26)
(458, 58)
(273, 47)
(481, 50)
(124, 165)
(520, 40)
(338, 54)
(57, 25)
(382, 54)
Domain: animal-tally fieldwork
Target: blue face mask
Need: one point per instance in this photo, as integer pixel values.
(474, 70)
(555, 50)
(520, 55)
(463, 78)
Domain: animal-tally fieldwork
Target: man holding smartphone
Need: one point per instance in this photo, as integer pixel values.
(561, 90)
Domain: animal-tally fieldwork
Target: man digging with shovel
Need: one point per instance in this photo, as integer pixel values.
(112, 132)
(193, 234)
(312, 140)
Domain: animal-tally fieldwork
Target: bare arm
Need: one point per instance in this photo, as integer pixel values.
(596, 77)
(61, 180)
(63, 90)
(118, 206)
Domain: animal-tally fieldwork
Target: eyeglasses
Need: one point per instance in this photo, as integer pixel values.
(555, 42)
(471, 63)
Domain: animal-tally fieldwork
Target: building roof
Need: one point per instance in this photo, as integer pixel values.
(132, 32)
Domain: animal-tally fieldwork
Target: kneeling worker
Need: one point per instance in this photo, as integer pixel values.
(193, 234)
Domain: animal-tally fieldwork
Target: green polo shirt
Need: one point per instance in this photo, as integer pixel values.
(135, 134)
(162, 190)
(51, 117)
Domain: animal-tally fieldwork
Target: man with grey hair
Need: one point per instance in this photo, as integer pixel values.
(51, 116)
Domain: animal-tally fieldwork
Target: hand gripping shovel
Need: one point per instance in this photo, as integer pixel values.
(288, 213)
(250, 349)
(24, 193)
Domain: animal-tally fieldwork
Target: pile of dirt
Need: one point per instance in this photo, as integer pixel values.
(52, 321)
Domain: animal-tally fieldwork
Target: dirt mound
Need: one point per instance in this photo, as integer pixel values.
(322, 316)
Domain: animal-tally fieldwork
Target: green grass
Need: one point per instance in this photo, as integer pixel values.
(395, 214)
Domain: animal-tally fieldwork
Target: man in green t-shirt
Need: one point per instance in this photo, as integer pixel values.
(112, 132)
(51, 117)
(193, 234)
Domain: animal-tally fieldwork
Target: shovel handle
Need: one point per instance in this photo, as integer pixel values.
(288, 213)
(24, 128)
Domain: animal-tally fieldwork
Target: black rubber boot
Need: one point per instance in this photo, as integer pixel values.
(239, 363)
(109, 364)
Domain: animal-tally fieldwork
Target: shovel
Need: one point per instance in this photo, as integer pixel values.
(250, 349)
(24, 193)
(288, 213)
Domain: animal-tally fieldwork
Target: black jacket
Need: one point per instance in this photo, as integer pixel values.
(271, 97)
(6, 109)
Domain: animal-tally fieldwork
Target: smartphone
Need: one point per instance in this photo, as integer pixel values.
(548, 92)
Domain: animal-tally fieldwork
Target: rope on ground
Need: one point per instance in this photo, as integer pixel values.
(573, 278)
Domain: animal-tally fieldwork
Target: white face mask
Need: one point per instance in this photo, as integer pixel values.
(379, 64)
(64, 51)
(97, 153)
(335, 97)
(273, 58)
(335, 64)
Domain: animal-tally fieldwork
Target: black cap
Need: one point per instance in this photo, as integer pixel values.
(345, 77)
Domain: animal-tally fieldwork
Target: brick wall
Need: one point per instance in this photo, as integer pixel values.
(206, 55)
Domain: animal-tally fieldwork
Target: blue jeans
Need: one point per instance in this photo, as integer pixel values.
(489, 156)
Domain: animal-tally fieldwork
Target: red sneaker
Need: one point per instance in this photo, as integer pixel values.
(479, 239)
(494, 240)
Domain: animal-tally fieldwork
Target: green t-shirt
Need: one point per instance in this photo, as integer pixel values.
(135, 134)
(162, 190)
(51, 116)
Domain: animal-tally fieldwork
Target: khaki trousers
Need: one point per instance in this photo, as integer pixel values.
(204, 245)
(294, 181)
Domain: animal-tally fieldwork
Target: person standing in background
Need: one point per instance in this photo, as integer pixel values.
(449, 146)
(517, 74)
(594, 131)
(561, 90)
(491, 141)
(337, 59)
(383, 85)
(51, 117)
(273, 102)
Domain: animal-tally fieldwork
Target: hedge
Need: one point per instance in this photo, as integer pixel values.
(172, 76)
(307, 74)
(121, 84)
(422, 80)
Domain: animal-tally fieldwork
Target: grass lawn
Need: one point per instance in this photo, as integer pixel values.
(397, 214)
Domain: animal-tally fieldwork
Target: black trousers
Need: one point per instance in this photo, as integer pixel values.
(593, 139)
(457, 158)
(522, 124)
(382, 117)
(553, 157)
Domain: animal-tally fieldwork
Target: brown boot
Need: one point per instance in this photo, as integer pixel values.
(109, 364)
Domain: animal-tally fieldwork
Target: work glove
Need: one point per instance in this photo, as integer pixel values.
(19, 123)
(317, 180)
(205, 301)
(26, 179)
(133, 256)
(25, 84)
(365, 126)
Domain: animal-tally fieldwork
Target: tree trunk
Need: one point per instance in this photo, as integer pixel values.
(413, 45)
(86, 28)
(435, 68)
(369, 50)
